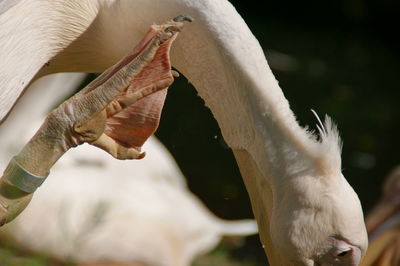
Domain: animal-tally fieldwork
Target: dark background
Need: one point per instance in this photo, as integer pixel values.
(337, 57)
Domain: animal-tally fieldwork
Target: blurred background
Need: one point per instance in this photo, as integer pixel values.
(337, 57)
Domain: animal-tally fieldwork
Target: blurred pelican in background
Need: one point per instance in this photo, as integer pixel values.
(94, 209)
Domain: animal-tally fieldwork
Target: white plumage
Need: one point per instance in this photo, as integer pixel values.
(307, 212)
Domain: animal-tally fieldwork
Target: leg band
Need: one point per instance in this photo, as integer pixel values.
(16, 175)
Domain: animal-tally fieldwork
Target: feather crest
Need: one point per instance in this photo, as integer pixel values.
(329, 149)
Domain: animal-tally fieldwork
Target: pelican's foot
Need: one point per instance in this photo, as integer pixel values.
(120, 109)
(116, 112)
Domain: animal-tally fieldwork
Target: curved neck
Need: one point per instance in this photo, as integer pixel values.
(225, 63)
(223, 60)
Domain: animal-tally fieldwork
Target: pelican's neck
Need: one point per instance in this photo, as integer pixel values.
(220, 56)
(224, 61)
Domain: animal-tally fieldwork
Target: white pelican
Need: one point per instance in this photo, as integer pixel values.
(126, 204)
(307, 213)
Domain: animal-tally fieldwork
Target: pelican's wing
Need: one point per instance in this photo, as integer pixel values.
(27, 45)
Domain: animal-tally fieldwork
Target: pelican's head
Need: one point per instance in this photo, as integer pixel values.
(320, 224)
(317, 217)
(307, 212)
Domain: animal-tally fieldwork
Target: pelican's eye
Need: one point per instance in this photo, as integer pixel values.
(343, 253)
(340, 252)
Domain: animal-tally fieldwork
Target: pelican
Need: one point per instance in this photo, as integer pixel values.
(307, 213)
(87, 189)
(383, 225)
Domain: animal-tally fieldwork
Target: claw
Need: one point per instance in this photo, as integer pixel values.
(168, 32)
(175, 73)
(173, 29)
(182, 18)
(141, 155)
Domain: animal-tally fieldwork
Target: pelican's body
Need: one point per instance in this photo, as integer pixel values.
(306, 211)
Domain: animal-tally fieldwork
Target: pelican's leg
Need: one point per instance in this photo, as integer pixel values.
(85, 117)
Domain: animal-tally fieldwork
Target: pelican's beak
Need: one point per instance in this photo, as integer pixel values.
(383, 225)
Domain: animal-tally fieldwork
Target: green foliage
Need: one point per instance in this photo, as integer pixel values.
(9, 257)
